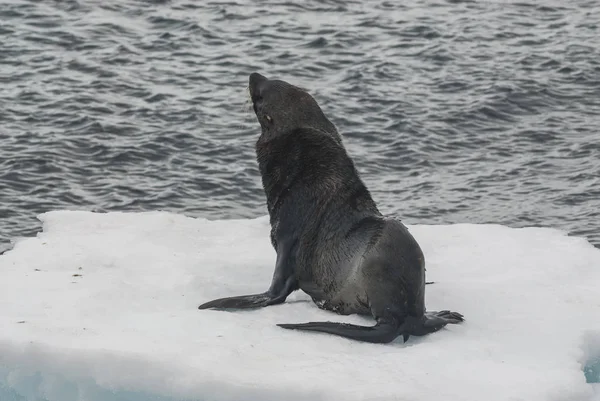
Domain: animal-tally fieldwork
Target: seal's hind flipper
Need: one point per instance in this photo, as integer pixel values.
(449, 316)
(383, 332)
(429, 323)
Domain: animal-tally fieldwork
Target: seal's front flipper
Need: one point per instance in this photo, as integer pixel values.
(382, 332)
(276, 295)
(239, 302)
(283, 284)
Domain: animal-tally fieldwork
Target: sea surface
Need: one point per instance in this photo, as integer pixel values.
(454, 111)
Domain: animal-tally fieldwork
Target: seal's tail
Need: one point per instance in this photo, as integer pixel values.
(383, 332)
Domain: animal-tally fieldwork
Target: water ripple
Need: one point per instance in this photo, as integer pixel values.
(454, 111)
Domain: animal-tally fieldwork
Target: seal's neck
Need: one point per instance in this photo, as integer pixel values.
(276, 159)
(304, 170)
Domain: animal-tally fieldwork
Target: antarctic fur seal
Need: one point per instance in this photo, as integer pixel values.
(331, 240)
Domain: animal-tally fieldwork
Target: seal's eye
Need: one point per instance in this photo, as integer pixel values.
(269, 119)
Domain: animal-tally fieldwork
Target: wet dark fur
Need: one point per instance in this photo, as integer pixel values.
(331, 240)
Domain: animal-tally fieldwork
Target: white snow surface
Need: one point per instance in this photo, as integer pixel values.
(128, 327)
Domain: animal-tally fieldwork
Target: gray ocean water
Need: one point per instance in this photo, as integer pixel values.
(454, 111)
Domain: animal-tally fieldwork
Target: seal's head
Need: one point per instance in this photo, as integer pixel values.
(281, 107)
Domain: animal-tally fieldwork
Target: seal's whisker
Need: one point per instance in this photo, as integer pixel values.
(247, 106)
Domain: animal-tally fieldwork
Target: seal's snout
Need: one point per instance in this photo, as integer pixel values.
(256, 78)
(255, 82)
